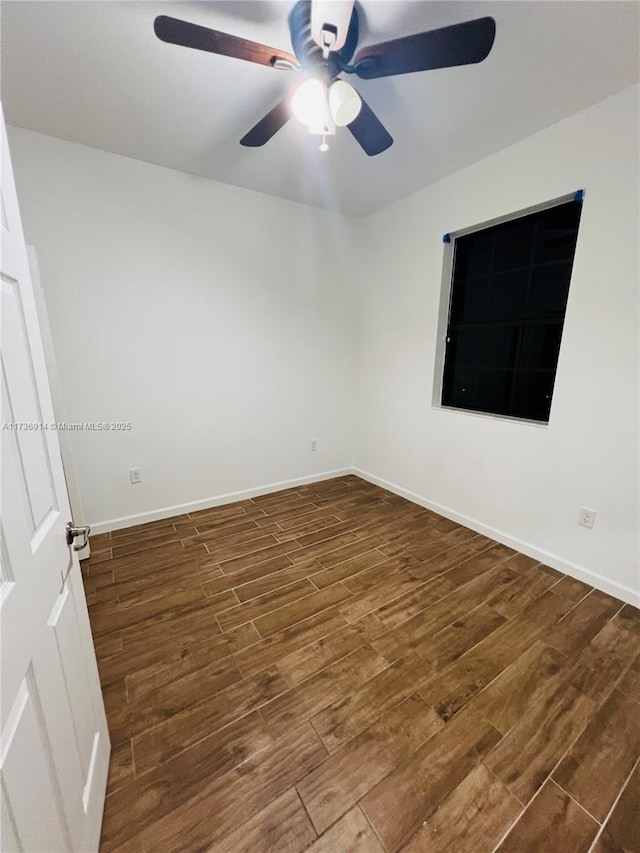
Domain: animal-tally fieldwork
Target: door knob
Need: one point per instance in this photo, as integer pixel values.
(73, 532)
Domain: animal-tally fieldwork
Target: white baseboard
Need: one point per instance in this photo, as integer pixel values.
(205, 503)
(621, 591)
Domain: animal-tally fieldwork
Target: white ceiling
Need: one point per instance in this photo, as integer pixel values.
(94, 73)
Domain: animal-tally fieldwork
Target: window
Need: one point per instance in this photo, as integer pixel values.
(508, 298)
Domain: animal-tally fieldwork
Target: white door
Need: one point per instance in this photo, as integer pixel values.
(66, 450)
(54, 744)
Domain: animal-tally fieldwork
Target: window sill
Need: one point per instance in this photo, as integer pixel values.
(489, 416)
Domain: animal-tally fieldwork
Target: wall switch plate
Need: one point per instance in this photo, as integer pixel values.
(135, 475)
(313, 444)
(587, 517)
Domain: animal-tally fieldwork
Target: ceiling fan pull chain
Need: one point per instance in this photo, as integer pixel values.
(324, 145)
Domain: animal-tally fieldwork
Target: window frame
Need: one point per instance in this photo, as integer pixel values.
(446, 292)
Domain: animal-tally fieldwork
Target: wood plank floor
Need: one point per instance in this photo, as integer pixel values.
(335, 669)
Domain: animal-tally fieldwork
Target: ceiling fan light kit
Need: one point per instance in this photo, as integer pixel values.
(324, 36)
(345, 102)
(321, 110)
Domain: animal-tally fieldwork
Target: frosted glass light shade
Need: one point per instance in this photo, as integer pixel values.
(344, 102)
(309, 103)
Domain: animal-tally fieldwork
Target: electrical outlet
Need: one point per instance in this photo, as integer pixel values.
(313, 445)
(135, 475)
(587, 517)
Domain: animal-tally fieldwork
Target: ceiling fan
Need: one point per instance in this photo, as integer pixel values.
(324, 37)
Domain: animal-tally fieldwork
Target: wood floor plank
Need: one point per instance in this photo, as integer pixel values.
(246, 544)
(475, 566)
(351, 834)
(348, 568)
(347, 716)
(534, 745)
(596, 767)
(355, 549)
(225, 511)
(283, 825)
(516, 598)
(293, 507)
(346, 776)
(602, 662)
(107, 618)
(240, 534)
(178, 622)
(212, 813)
(325, 533)
(155, 794)
(165, 542)
(401, 609)
(108, 644)
(630, 683)
(236, 564)
(269, 651)
(271, 582)
(361, 603)
(301, 664)
(409, 635)
(629, 618)
(452, 557)
(300, 609)
(100, 541)
(142, 540)
(548, 610)
(171, 667)
(287, 521)
(144, 711)
(195, 641)
(572, 588)
(236, 580)
(583, 622)
(472, 819)
(196, 722)
(135, 565)
(305, 527)
(554, 817)
(143, 587)
(376, 574)
(535, 674)
(398, 805)
(452, 688)
(450, 643)
(166, 694)
(212, 520)
(300, 703)
(554, 573)
(249, 611)
(522, 564)
(323, 548)
(120, 767)
(621, 833)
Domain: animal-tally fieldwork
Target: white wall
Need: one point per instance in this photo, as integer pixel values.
(523, 484)
(198, 311)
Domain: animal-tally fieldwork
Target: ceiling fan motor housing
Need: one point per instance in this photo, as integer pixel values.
(308, 53)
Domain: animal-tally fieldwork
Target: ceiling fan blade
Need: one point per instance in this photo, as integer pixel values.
(185, 34)
(269, 125)
(459, 44)
(369, 131)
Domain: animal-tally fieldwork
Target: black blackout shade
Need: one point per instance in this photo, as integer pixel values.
(508, 301)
